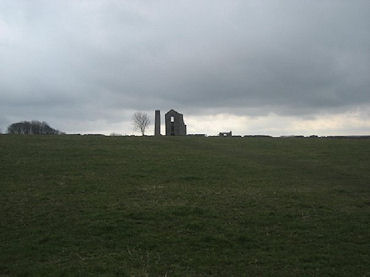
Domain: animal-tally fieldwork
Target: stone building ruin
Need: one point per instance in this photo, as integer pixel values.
(175, 125)
(174, 122)
(225, 134)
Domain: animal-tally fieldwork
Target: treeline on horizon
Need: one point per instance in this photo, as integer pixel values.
(33, 127)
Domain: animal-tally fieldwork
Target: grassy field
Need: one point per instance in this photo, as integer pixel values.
(125, 206)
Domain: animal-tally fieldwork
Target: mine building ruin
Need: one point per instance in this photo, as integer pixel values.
(226, 134)
(175, 125)
(174, 122)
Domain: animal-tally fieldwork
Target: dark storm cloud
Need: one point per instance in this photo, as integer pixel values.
(91, 60)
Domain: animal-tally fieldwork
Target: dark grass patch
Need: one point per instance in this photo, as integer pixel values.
(116, 206)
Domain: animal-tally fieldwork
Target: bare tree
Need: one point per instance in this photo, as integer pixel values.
(141, 121)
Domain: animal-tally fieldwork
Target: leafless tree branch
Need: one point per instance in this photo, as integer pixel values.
(141, 121)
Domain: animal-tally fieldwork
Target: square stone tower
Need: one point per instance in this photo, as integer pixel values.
(157, 127)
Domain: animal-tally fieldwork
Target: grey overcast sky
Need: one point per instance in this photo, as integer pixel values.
(275, 67)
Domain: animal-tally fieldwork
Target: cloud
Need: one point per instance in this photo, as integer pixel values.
(98, 61)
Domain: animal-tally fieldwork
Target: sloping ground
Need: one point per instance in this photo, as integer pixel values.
(108, 206)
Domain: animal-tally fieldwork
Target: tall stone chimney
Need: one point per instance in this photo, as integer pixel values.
(157, 127)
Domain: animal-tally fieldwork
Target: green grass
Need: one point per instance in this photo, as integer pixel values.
(124, 206)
